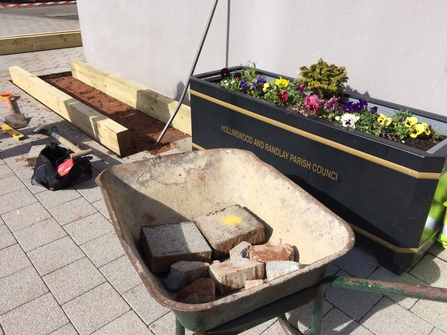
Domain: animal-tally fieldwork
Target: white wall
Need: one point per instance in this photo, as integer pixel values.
(395, 50)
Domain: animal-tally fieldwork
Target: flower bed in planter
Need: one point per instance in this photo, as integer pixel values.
(384, 189)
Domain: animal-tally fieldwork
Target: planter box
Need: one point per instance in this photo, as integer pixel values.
(385, 190)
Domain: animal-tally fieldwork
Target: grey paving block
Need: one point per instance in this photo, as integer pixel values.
(300, 318)
(354, 303)
(10, 203)
(437, 331)
(336, 322)
(121, 274)
(73, 280)
(386, 275)
(100, 205)
(39, 234)
(5, 171)
(165, 324)
(54, 198)
(65, 330)
(89, 189)
(26, 216)
(431, 270)
(11, 185)
(88, 228)
(388, 318)
(434, 312)
(270, 327)
(6, 237)
(438, 250)
(127, 324)
(39, 316)
(144, 305)
(55, 255)
(357, 263)
(12, 259)
(72, 210)
(103, 249)
(19, 288)
(95, 309)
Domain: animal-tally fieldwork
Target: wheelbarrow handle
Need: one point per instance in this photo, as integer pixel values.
(373, 286)
(7, 96)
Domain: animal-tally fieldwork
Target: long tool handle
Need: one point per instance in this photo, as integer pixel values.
(7, 96)
(185, 89)
(76, 151)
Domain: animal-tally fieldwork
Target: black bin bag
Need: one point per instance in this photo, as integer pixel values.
(45, 169)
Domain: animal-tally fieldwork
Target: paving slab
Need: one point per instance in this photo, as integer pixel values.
(144, 305)
(127, 324)
(39, 316)
(88, 228)
(121, 274)
(20, 287)
(388, 318)
(48, 258)
(39, 234)
(26, 216)
(12, 259)
(95, 309)
(103, 249)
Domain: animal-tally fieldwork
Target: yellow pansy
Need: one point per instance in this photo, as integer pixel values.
(411, 121)
(417, 130)
(384, 120)
(265, 87)
(281, 81)
(426, 129)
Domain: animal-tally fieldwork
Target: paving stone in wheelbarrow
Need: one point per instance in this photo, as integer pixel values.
(227, 228)
(167, 244)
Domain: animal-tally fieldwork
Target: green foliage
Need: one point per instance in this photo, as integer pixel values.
(323, 79)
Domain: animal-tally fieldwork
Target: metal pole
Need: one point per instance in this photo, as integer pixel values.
(190, 74)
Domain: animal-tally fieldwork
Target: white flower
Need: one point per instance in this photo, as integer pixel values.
(349, 120)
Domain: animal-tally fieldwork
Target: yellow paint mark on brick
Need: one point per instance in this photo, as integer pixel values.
(232, 219)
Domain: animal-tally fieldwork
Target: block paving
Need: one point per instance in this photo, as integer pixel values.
(62, 270)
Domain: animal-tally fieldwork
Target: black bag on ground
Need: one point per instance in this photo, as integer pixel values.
(45, 169)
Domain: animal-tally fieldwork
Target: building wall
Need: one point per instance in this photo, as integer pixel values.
(393, 50)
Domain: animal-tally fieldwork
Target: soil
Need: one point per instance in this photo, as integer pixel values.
(144, 130)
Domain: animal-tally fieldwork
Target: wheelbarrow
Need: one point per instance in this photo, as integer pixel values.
(181, 187)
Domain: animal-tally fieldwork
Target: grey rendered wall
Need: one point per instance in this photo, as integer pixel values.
(393, 50)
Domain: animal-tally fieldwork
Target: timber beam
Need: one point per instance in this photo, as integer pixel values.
(97, 126)
(39, 42)
(156, 105)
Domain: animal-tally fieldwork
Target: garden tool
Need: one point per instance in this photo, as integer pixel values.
(76, 151)
(14, 119)
(11, 131)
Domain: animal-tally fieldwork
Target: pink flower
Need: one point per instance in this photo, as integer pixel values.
(312, 103)
(301, 87)
(332, 103)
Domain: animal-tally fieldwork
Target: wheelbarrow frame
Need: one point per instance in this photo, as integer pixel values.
(316, 294)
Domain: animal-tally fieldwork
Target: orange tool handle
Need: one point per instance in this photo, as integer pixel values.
(7, 96)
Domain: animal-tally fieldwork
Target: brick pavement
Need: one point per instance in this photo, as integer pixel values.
(62, 270)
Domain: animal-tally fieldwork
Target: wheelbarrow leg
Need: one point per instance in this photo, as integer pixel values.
(287, 327)
(179, 329)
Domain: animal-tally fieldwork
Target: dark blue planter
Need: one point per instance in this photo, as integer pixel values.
(383, 189)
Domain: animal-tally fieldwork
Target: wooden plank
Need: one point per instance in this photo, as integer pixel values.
(41, 41)
(136, 96)
(99, 127)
